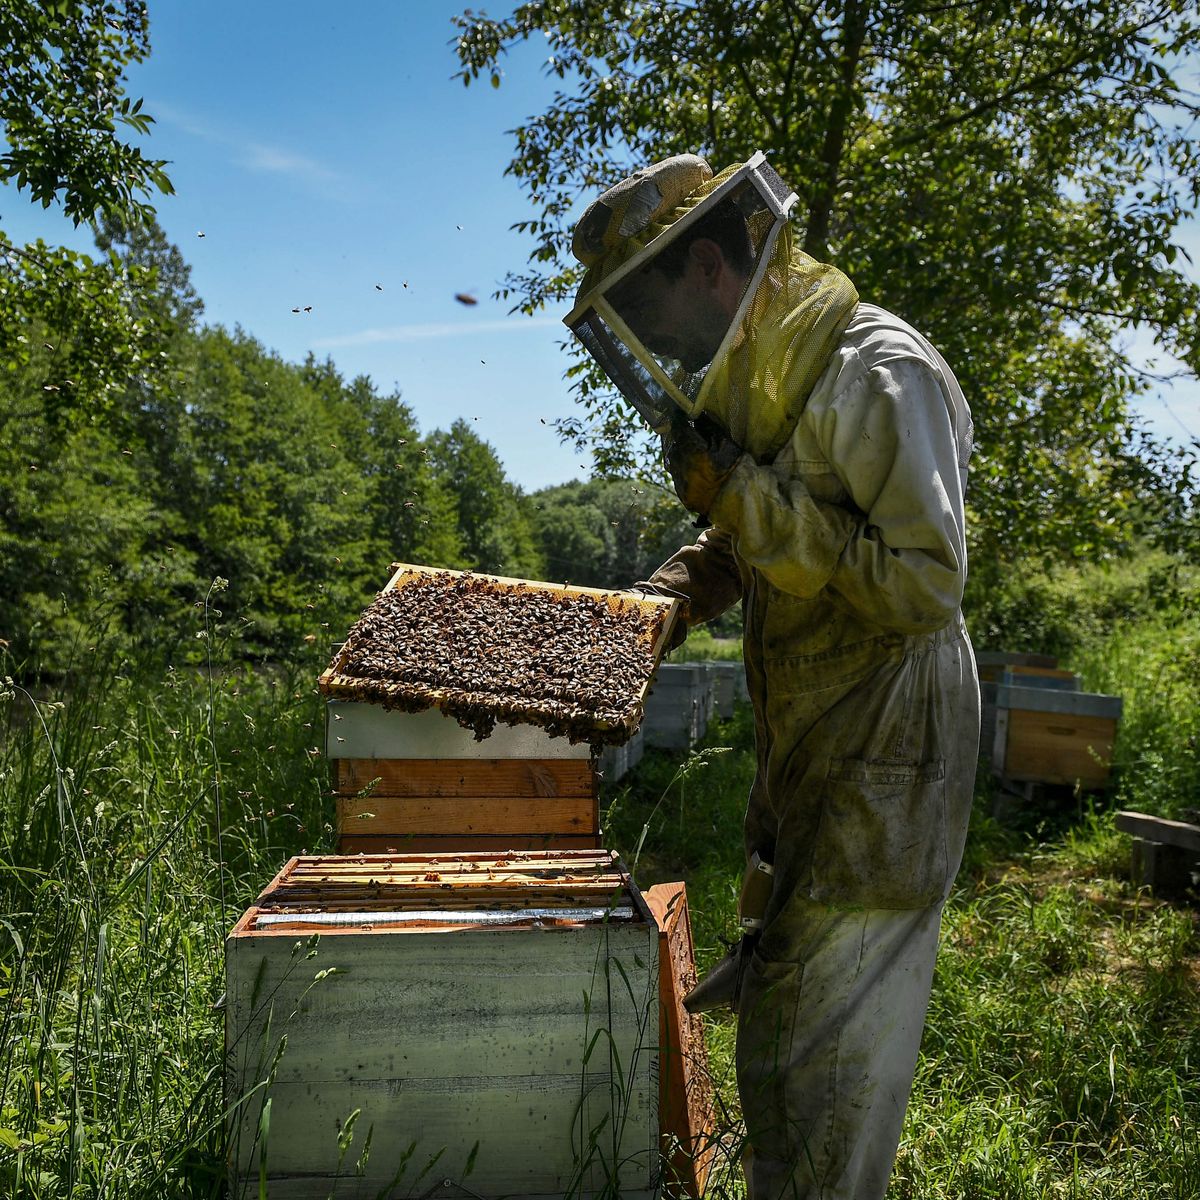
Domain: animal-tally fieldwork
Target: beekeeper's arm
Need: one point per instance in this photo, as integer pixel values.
(704, 572)
(900, 560)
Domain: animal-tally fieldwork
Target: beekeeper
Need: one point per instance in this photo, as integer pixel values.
(827, 443)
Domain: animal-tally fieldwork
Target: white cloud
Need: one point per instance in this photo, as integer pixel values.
(420, 333)
(254, 156)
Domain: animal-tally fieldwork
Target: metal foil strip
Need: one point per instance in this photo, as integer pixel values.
(446, 916)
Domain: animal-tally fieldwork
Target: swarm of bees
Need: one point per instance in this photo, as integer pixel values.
(483, 651)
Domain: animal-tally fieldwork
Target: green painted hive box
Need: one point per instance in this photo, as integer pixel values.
(468, 1025)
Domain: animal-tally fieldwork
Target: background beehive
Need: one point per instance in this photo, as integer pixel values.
(519, 1059)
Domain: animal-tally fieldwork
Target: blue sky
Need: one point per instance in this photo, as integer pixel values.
(323, 150)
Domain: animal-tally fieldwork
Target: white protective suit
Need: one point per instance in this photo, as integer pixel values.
(847, 551)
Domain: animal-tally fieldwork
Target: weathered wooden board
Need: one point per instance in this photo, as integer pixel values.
(685, 1083)
(1029, 676)
(1159, 829)
(466, 843)
(1013, 658)
(477, 1043)
(350, 843)
(503, 815)
(465, 777)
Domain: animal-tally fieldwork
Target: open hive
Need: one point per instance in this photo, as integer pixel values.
(574, 661)
(491, 1022)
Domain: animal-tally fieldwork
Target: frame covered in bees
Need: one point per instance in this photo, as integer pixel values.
(466, 1025)
(574, 661)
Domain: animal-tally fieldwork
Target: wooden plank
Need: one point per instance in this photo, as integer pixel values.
(504, 815)
(528, 860)
(1055, 747)
(1055, 700)
(405, 868)
(1012, 658)
(1161, 830)
(465, 777)
(686, 1104)
(460, 892)
(465, 843)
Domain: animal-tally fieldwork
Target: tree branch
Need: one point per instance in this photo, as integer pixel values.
(820, 207)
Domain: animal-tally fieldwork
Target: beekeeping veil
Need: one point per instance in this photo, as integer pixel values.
(790, 316)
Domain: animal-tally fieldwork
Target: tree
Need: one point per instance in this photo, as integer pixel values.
(605, 532)
(1008, 177)
(62, 105)
(63, 112)
(492, 526)
(409, 512)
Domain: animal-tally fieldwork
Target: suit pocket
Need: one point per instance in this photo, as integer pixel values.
(881, 837)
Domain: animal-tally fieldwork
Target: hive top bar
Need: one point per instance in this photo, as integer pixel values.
(419, 892)
(575, 661)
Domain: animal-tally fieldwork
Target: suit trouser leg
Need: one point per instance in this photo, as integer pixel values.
(827, 1046)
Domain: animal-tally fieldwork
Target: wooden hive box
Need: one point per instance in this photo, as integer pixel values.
(409, 777)
(420, 782)
(488, 1026)
(1054, 736)
(685, 1083)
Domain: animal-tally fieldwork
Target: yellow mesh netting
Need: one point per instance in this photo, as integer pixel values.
(757, 388)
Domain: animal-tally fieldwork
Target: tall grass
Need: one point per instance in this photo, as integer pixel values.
(111, 959)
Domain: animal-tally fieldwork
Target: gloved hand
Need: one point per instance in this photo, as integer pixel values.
(679, 630)
(700, 459)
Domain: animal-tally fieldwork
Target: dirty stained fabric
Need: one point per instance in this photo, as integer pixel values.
(847, 550)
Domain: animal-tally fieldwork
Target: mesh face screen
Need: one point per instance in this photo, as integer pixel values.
(677, 326)
(632, 378)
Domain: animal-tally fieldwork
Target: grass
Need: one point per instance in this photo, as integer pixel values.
(111, 943)
(1060, 1058)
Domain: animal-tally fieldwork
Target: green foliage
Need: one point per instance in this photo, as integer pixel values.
(63, 108)
(606, 532)
(1131, 629)
(62, 116)
(1009, 178)
(144, 808)
(81, 313)
(490, 519)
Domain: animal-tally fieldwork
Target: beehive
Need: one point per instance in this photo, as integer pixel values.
(488, 1026)
(448, 732)
(678, 706)
(1053, 735)
(420, 782)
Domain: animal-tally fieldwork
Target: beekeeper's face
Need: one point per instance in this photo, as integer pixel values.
(682, 316)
